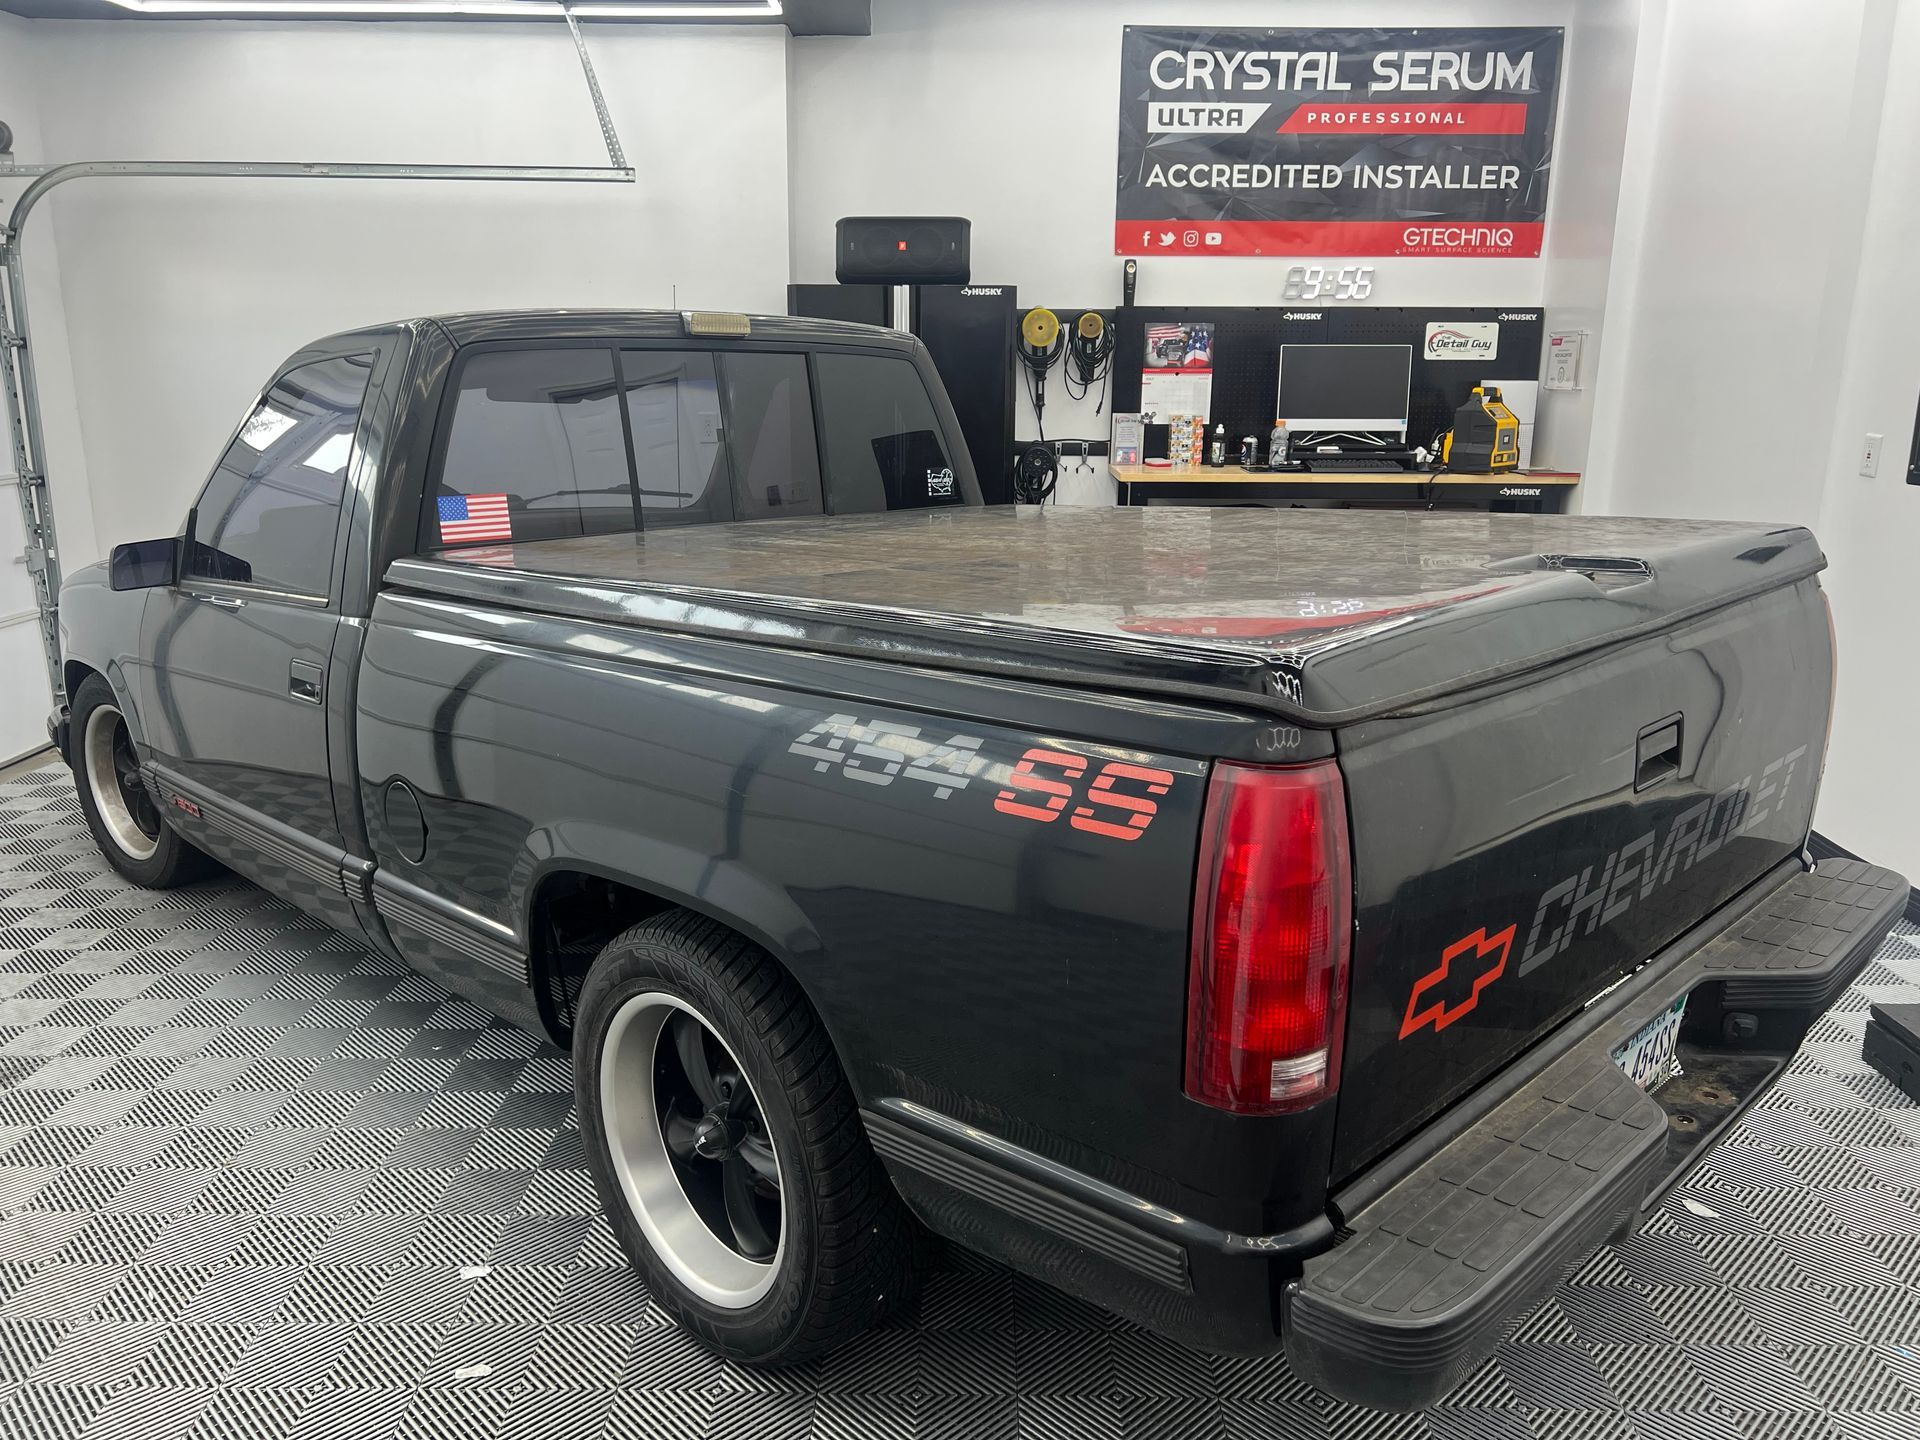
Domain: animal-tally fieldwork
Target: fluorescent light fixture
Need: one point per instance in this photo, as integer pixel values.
(542, 9)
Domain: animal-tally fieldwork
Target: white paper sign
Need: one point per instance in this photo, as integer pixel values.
(1563, 359)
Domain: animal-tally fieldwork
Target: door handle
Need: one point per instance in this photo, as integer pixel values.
(303, 681)
(1656, 753)
(225, 602)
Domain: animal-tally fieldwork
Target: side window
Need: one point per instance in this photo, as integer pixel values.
(884, 450)
(776, 466)
(535, 451)
(673, 410)
(270, 511)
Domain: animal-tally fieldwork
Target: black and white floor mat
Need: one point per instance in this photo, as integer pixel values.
(257, 1182)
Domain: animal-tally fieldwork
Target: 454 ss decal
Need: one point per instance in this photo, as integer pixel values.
(877, 752)
(1112, 798)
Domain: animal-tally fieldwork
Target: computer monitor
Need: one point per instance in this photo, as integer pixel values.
(1345, 388)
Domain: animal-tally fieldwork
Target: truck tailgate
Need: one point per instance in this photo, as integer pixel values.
(1518, 854)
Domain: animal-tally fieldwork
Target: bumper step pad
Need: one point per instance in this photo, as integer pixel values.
(1782, 954)
(1436, 1271)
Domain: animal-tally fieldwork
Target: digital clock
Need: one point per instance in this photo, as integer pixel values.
(1319, 282)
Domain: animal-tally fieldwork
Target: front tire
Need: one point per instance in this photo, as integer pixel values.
(727, 1148)
(126, 824)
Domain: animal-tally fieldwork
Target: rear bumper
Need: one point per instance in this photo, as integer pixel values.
(1208, 1287)
(1442, 1264)
(1460, 1233)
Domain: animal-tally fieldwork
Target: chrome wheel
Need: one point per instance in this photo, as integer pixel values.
(690, 1147)
(113, 779)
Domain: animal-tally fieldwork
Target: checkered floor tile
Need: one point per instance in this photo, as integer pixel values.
(255, 1181)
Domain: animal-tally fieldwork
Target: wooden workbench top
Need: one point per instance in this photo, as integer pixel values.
(1239, 475)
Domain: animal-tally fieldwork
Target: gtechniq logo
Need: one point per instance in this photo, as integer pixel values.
(1456, 236)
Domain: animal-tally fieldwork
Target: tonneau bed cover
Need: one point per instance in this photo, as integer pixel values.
(1322, 617)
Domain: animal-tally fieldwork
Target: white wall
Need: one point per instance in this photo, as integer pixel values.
(1603, 39)
(181, 295)
(1871, 799)
(1735, 256)
(1759, 310)
(927, 116)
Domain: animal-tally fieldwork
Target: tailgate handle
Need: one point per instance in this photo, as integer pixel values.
(1657, 755)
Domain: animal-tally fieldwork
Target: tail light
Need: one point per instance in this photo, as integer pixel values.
(1267, 985)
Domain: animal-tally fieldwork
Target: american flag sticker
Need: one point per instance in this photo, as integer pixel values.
(474, 517)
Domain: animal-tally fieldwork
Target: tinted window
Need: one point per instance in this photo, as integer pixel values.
(674, 412)
(776, 465)
(884, 450)
(269, 513)
(535, 451)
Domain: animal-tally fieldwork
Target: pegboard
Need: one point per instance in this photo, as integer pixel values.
(1246, 357)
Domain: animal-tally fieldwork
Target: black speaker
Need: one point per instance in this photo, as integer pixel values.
(902, 250)
(862, 304)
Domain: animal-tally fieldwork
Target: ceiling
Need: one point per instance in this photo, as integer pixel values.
(802, 17)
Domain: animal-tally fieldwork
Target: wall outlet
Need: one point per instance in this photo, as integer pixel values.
(1870, 455)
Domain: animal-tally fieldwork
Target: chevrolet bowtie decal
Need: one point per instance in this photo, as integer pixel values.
(1468, 955)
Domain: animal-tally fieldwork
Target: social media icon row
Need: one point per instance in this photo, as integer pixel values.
(1191, 239)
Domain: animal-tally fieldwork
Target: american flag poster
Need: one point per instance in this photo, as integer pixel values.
(1177, 378)
(474, 517)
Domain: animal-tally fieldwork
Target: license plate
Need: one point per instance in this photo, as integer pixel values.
(1651, 1057)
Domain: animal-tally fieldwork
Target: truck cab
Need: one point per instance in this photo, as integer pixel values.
(238, 670)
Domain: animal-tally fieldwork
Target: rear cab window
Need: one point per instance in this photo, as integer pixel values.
(536, 450)
(883, 442)
(776, 455)
(673, 416)
(558, 440)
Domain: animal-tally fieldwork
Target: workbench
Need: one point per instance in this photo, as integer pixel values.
(1533, 492)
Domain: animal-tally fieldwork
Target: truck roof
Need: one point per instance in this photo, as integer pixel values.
(472, 326)
(1321, 616)
(468, 327)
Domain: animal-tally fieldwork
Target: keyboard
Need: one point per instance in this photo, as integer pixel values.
(1352, 465)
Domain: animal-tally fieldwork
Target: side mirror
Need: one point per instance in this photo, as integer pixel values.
(144, 564)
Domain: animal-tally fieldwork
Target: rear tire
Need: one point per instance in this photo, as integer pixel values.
(126, 824)
(761, 1220)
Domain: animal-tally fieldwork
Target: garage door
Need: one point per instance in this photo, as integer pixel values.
(24, 695)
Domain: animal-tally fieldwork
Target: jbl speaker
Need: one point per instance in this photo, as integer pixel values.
(902, 250)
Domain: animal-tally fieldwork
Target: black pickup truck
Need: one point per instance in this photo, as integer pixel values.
(1298, 929)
